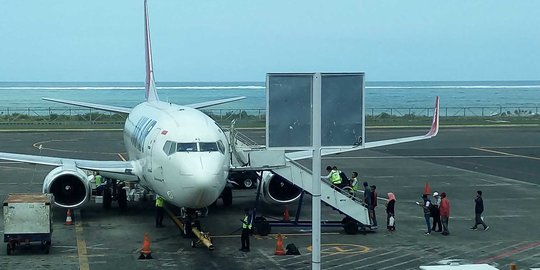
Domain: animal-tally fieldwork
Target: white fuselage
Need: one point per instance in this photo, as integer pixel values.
(179, 153)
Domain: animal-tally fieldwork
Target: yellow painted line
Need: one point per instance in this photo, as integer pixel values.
(121, 157)
(81, 243)
(504, 153)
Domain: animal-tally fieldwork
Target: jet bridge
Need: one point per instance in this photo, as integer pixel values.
(248, 155)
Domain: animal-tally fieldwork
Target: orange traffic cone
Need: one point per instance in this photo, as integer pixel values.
(279, 246)
(69, 221)
(146, 253)
(426, 189)
(286, 214)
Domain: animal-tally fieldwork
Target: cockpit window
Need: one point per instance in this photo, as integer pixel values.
(221, 146)
(169, 148)
(186, 147)
(208, 147)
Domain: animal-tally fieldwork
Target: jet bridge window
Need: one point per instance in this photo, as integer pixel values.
(186, 147)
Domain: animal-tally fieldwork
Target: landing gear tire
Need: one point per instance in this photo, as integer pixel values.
(107, 198)
(122, 199)
(197, 225)
(262, 227)
(227, 196)
(193, 244)
(187, 229)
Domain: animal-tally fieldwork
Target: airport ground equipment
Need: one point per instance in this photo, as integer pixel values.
(27, 218)
(194, 231)
(247, 155)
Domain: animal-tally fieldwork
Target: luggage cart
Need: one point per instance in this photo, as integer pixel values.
(27, 218)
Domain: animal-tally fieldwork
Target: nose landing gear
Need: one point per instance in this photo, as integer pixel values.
(191, 226)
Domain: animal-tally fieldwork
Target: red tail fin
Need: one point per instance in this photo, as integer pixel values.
(150, 86)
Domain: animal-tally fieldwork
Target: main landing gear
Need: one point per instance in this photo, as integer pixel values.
(114, 191)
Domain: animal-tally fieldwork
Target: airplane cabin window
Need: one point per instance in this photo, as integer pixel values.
(186, 147)
(208, 147)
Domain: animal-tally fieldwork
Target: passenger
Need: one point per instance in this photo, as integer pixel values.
(425, 206)
(390, 212)
(435, 213)
(368, 201)
(373, 204)
(478, 210)
(445, 213)
(160, 203)
(344, 180)
(246, 230)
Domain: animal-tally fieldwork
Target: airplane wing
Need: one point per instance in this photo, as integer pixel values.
(432, 133)
(213, 102)
(121, 167)
(91, 105)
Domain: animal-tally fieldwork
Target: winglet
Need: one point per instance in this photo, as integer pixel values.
(435, 124)
(150, 86)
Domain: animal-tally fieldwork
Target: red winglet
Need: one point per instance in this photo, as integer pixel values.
(435, 124)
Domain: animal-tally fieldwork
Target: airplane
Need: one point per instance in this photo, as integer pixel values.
(175, 151)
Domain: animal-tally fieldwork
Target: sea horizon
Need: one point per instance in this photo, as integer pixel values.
(378, 94)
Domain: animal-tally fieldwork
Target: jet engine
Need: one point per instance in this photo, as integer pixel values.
(69, 186)
(278, 190)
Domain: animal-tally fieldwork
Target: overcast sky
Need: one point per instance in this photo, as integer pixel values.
(242, 40)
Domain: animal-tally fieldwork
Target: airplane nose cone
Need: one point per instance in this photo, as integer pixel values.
(201, 178)
(203, 191)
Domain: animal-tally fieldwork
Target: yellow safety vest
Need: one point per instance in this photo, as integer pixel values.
(246, 224)
(98, 180)
(160, 201)
(335, 178)
(355, 185)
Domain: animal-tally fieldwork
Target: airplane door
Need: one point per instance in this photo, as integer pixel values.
(150, 148)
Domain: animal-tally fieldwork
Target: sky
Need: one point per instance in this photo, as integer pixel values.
(242, 40)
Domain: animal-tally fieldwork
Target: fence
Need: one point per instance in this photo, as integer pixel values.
(53, 114)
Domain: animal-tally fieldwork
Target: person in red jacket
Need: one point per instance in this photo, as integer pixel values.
(444, 209)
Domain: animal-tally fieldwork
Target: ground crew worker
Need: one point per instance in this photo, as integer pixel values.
(246, 230)
(333, 176)
(160, 203)
(98, 180)
(355, 184)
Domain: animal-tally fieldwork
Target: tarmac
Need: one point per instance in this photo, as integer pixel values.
(503, 162)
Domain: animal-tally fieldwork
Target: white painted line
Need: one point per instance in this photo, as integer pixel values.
(270, 258)
(504, 153)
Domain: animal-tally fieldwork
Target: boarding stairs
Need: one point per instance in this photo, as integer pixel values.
(247, 155)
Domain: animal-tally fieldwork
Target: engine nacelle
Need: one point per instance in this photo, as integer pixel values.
(278, 190)
(69, 186)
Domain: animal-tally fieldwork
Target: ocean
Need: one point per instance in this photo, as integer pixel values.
(379, 95)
